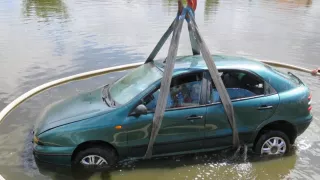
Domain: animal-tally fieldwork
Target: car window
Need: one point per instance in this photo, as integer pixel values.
(269, 89)
(239, 85)
(129, 86)
(185, 91)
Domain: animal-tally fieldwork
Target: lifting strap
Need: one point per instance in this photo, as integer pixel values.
(192, 5)
(165, 83)
(199, 43)
(224, 96)
(195, 47)
(161, 42)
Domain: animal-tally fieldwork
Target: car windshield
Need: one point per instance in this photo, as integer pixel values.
(129, 86)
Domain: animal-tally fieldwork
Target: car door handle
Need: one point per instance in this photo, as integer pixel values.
(264, 107)
(192, 117)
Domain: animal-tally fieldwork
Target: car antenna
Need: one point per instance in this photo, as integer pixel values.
(198, 45)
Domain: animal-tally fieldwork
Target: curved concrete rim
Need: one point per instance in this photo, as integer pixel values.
(57, 82)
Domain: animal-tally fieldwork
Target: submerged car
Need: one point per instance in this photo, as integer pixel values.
(97, 129)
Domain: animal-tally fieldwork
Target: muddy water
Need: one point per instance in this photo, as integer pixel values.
(42, 40)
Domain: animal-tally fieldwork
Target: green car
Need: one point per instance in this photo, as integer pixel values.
(97, 129)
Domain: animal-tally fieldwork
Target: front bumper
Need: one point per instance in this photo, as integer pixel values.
(53, 155)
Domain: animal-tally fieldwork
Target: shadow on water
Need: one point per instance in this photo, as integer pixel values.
(45, 9)
(208, 165)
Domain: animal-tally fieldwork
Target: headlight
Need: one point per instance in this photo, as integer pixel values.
(36, 140)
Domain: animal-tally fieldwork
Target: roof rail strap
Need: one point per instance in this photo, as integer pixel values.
(217, 81)
(165, 85)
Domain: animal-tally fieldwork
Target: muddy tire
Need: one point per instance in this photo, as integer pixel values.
(273, 143)
(95, 159)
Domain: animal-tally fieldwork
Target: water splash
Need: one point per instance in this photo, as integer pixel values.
(241, 153)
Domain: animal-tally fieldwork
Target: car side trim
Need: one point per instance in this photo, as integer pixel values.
(191, 140)
(48, 154)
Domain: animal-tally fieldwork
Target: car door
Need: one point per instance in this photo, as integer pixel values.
(253, 101)
(182, 127)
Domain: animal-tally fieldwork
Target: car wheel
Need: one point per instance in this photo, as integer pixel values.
(273, 143)
(95, 159)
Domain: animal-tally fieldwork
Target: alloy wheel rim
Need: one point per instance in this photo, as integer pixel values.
(274, 146)
(94, 160)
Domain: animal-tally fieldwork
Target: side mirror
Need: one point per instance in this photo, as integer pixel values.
(141, 109)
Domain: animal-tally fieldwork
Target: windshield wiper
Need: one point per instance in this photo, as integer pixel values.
(104, 100)
(112, 101)
(105, 97)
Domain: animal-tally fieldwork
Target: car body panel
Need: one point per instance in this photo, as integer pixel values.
(61, 155)
(75, 108)
(294, 105)
(86, 117)
(247, 115)
(292, 108)
(98, 128)
(176, 133)
(60, 160)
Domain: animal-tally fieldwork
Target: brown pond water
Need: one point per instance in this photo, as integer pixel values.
(43, 40)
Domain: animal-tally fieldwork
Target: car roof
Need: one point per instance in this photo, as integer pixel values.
(189, 64)
(196, 62)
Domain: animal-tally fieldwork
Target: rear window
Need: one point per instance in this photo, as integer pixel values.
(295, 81)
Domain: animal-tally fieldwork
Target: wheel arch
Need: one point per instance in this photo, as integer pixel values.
(92, 143)
(281, 125)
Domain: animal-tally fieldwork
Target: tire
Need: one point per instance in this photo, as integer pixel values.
(275, 149)
(104, 159)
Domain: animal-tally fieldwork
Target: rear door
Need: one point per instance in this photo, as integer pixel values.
(253, 100)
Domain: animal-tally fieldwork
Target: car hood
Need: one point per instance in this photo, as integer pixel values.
(76, 108)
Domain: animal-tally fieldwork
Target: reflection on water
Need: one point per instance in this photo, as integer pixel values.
(306, 3)
(207, 166)
(211, 6)
(45, 9)
(202, 166)
(42, 40)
